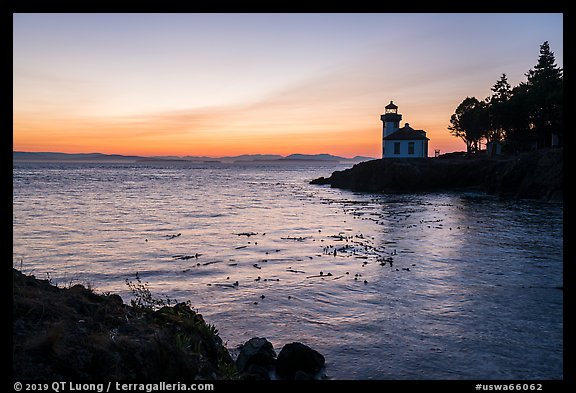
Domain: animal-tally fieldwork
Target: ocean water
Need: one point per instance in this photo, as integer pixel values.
(385, 286)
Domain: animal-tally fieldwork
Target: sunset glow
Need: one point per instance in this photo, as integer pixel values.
(229, 84)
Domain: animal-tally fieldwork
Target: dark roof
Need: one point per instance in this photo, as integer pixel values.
(391, 106)
(406, 133)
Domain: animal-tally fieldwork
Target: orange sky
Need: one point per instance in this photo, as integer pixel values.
(220, 85)
(219, 132)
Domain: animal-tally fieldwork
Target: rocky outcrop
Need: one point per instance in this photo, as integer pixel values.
(75, 334)
(537, 174)
(257, 360)
(72, 333)
(299, 361)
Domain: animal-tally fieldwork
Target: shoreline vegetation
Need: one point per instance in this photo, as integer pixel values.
(73, 333)
(531, 175)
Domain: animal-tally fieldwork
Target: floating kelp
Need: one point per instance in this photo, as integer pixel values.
(299, 238)
(247, 234)
(186, 257)
(295, 271)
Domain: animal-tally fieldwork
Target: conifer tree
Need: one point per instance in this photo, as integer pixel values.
(524, 117)
(499, 110)
(545, 87)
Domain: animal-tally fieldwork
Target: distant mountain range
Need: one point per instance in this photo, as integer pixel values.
(48, 156)
(89, 157)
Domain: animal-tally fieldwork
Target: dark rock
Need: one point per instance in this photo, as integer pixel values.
(255, 372)
(114, 298)
(297, 357)
(256, 351)
(303, 376)
(320, 180)
(534, 175)
(75, 334)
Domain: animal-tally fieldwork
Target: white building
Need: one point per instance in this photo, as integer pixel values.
(404, 142)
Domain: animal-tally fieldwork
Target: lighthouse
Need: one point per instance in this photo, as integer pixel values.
(404, 142)
(390, 122)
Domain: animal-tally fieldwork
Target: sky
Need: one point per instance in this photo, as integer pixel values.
(229, 84)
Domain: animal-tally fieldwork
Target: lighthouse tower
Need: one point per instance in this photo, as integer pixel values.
(390, 120)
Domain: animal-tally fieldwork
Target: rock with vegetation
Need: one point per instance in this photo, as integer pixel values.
(537, 175)
(75, 334)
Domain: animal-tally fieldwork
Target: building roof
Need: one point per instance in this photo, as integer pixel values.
(406, 133)
(391, 105)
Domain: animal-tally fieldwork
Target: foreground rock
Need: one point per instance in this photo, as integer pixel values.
(257, 360)
(299, 361)
(537, 175)
(64, 334)
(75, 334)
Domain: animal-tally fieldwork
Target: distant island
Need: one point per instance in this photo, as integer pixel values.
(21, 156)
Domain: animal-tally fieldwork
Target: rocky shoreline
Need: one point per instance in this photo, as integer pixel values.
(73, 333)
(532, 175)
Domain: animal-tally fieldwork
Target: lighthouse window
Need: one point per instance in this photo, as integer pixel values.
(396, 147)
(410, 147)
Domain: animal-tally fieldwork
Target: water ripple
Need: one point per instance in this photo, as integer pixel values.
(419, 286)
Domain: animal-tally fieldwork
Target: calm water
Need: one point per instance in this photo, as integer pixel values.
(420, 286)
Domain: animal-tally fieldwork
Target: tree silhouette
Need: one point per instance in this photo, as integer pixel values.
(520, 135)
(499, 110)
(545, 86)
(470, 122)
(525, 117)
